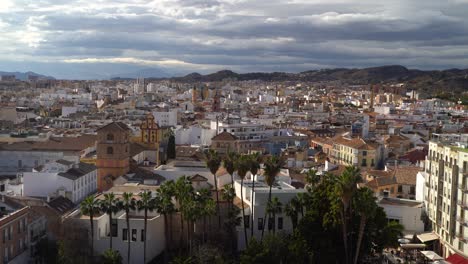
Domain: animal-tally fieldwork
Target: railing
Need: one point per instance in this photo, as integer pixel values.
(461, 236)
(463, 188)
(462, 221)
(464, 205)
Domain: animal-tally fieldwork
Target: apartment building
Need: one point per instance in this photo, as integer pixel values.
(446, 196)
(13, 230)
(355, 152)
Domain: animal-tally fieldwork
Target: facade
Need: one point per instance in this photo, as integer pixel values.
(118, 228)
(446, 196)
(355, 152)
(150, 137)
(113, 152)
(258, 201)
(406, 212)
(13, 229)
(74, 181)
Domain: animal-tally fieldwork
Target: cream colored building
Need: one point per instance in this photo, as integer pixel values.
(355, 152)
(446, 195)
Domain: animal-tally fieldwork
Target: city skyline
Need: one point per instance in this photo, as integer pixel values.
(99, 39)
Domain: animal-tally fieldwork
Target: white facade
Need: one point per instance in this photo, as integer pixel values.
(193, 136)
(258, 201)
(56, 179)
(406, 212)
(165, 119)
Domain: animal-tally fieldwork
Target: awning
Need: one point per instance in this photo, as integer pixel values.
(457, 259)
(426, 237)
(412, 246)
(431, 255)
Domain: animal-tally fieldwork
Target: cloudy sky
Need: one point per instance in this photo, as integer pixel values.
(99, 38)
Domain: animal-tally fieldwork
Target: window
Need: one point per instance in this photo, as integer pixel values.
(134, 235)
(364, 163)
(5, 255)
(110, 137)
(260, 224)
(10, 234)
(412, 189)
(364, 153)
(142, 235)
(247, 221)
(20, 163)
(280, 223)
(2, 188)
(124, 234)
(114, 227)
(400, 188)
(110, 150)
(5, 234)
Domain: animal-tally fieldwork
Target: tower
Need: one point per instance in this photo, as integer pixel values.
(194, 95)
(113, 152)
(216, 104)
(150, 138)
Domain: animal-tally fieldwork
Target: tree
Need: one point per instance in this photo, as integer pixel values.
(254, 162)
(171, 146)
(213, 162)
(272, 168)
(111, 257)
(127, 203)
(291, 212)
(346, 186)
(146, 203)
(109, 206)
(365, 200)
(166, 208)
(207, 208)
(243, 167)
(90, 207)
(312, 179)
(274, 207)
(183, 193)
(229, 163)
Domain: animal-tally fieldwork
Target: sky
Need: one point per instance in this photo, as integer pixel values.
(87, 39)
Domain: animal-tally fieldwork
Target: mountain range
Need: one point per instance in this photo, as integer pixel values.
(23, 76)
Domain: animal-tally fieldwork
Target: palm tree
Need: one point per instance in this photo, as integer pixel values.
(111, 257)
(312, 179)
(90, 207)
(254, 167)
(109, 206)
(291, 212)
(127, 203)
(166, 208)
(183, 190)
(229, 163)
(243, 167)
(299, 202)
(146, 203)
(274, 207)
(366, 208)
(272, 168)
(346, 185)
(213, 161)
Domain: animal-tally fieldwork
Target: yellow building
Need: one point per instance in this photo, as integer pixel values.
(354, 151)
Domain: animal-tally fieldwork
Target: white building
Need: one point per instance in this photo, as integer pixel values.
(166, 118)
(74, 181)
(155, 238)
(406, 212)
(258, 201)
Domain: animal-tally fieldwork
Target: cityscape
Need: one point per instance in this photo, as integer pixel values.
(233, 132)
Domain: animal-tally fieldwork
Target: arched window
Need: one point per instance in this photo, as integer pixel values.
(110, 150)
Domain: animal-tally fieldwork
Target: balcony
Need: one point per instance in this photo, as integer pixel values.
(462, 237)
(428, 184)
(463, 188)
(462, 221)
(462, 204)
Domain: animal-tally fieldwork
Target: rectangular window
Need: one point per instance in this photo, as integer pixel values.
(142, 235)
(134, 235)
(247, 221)
(5, 255)
(280, 223)
(124, 234)
(412, 190)
(260, 224)
(114, 227)
(364, 153)
(400, 188)
(2, 188)
(10, 234)
(5, 234)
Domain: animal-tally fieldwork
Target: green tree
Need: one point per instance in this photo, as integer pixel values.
(366, 206)
(90, 207)
(146, 203)
(274, 207)
(109, 205)
(243, 166)
(165, 207)
(213, 162)
(111, 257)
(291, 212)
(272, 168)
(346, 186)
(183, 194)
(254, 162)
(127, 204)
(171, 147)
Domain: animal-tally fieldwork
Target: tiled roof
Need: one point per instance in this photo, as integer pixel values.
(54, 143)
(381, 181)
(224, 136)
(406, 175)
(118, 125)
(81, 170)
(355, 143)
(61, 204)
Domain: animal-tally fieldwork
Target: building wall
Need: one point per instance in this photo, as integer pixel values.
(409, 217)
(16, 240)
(12, 161)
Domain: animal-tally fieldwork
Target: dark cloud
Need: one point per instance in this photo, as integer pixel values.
(207, 35)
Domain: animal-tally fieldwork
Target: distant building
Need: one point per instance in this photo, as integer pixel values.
(13, 230)
(8, 78)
